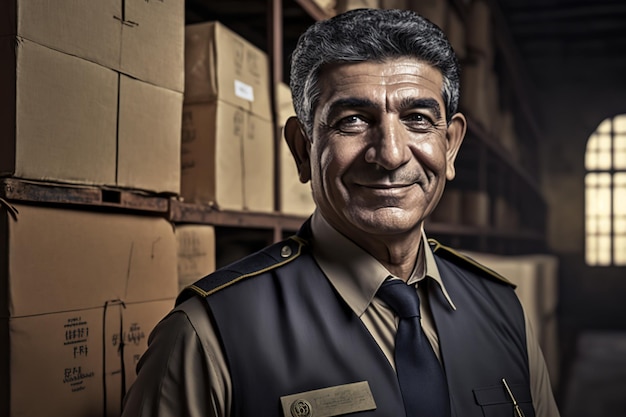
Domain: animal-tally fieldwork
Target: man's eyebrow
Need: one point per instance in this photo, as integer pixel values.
(351, 103)
(422, 103)
(406, 103)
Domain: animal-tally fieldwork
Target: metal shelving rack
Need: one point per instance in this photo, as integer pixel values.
(481, 156)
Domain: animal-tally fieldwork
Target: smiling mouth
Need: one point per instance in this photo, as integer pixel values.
(387, 186)
(387, 190)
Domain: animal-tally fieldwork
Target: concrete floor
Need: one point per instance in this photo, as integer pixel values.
(596, 386)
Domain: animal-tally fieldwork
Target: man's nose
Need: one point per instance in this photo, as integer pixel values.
(389, 147)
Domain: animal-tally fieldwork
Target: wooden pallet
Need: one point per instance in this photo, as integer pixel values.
(181, 212)
(20, 190)
(176, 211)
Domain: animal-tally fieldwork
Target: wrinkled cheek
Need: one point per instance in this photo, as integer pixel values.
(328, 166)
(431, 156)
(333, 185)
(323, 177)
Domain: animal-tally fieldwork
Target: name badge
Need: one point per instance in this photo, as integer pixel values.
(329, 402)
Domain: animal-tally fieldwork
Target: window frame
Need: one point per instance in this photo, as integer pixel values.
(605, 189)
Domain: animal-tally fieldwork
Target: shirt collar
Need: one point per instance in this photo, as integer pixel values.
(354, 273)
(432, 271)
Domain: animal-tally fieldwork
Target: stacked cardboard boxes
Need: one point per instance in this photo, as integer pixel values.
(341, 6)
(228, 134)
(98, 102)
(80, 293)
(440, 12)
(434, 10)
(456, 32)
(475, 208)
(481, 95)
(449, 208)
(479, 82)
(295, 197)
(196, 252)
(92, 94)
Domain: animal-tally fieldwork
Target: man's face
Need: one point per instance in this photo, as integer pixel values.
(380, 151)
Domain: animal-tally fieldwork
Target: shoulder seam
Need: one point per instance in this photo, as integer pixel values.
(438, 246)
(301, 242)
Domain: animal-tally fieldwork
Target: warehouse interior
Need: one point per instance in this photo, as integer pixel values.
(149, 171)
(570, 50)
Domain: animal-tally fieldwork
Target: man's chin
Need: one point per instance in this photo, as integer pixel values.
(387, 221)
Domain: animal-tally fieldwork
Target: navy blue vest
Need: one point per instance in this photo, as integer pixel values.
(284, 330)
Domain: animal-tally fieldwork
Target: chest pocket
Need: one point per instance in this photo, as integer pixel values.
(495, 401)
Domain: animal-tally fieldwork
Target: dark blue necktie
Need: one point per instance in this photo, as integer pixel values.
(422, 381)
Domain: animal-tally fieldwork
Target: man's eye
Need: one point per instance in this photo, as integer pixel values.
(351, 124)
(418, 121)
(351, 120)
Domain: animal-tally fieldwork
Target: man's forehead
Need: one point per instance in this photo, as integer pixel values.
(394, 76)
(389, 71)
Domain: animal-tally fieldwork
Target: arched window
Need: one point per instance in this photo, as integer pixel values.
(605, 194)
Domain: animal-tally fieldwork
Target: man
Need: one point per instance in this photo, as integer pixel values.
(307, 327)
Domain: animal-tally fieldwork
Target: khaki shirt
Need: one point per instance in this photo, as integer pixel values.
(184, 373)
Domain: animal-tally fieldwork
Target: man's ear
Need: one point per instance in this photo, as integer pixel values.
(455, 135)
(300, 146)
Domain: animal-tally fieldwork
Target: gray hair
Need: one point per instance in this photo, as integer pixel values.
(369, 35)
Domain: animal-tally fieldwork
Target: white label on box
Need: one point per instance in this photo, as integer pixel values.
(244, 91)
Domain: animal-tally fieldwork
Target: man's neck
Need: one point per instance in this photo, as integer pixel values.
(399, 254)
(400, 258)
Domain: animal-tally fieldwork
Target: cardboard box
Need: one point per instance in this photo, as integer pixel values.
(395, 4)
(60, 260)
(480, 94)
(227, 157)
(505, 214)
(295, 197)
(480, 30)
(73, 285)
(472, 100)
(475, 208)
(328, 6)
(58, 113)
(448, 209)
(548, 269)
(211, 156)
(494, 108)
(196, 252)
(220, 64)
(153, 42)
(149, 130)
(141, 38)
(505, 133)
(345, 5)
(455, 31)
(92, 32)
(284, 104)
(76, 363)
(78, 122)
(434, 10)
(258, 164)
